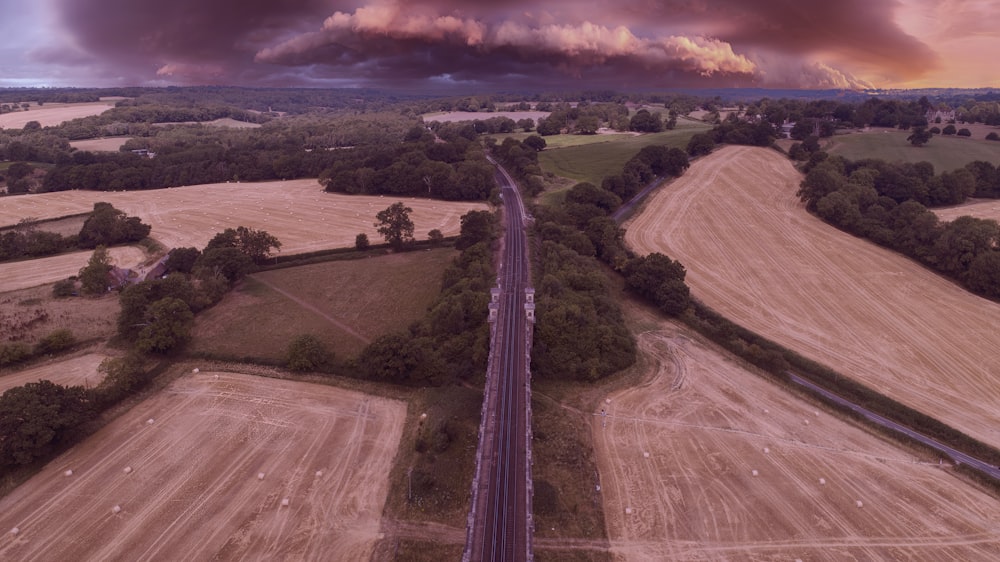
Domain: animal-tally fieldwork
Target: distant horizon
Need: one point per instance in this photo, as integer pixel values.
(457, 44)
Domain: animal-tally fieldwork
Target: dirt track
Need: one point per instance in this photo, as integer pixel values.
(23, 274)
(755, 255)
(193, 491)
(298, 212)
(677, 456)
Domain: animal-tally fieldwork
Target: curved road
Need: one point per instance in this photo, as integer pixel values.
(500, 519)
(956, 455)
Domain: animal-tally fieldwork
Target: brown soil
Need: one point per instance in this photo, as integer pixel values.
(677, 454)
(188, 486)
(754, 254)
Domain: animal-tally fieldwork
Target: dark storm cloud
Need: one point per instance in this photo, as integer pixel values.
(630, 43)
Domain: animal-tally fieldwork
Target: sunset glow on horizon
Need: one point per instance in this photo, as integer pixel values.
(570, 44)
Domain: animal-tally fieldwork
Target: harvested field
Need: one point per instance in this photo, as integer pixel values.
(755, 255)
(677, 460)
(28, 315)
(78, 371)
(30, 273)
(454, 116)
(298, 212)
(978, 208)
(53, 113)
(109, 144)
(208, 478)
(345, 303)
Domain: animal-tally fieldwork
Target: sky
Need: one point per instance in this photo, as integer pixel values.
(502, 44)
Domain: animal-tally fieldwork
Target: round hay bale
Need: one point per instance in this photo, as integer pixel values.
(806, 422)
(69, 472)
(423, 416)
(754, 472)
(15, 531)
(127, 470)
(260, 476)
(859, 503)
(116, 509)
(607, 400)
(149, 421)
(766, 411)
(628, 511)
(319, 473)
(645, 455)
(766, 450)
(196, 370)
(822, 481)
(284, 502)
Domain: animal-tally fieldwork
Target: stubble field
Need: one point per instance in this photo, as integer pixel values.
(679, 451)
(978, 208)
(31, 273)
(754, 254)
(298, 212)
(53, 113)
(78, 371)
(208, 476)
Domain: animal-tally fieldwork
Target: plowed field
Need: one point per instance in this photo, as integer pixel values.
(202, 471)
(753, 253)
(677, 455)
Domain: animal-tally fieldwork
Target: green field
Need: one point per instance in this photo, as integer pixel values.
(946, 153)
(345, 303)
(594, 161)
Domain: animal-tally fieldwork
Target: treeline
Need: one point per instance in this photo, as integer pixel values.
(453, 169)
(199, 155)
(887, 204)
(451, 342)
(649, 163)
(106, 226)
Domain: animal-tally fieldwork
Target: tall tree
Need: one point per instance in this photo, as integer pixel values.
(94, 277)
(395, 225)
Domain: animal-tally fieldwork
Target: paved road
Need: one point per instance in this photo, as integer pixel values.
(957, 456)
(500, 519)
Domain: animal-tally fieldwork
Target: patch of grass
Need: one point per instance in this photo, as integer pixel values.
(595, 161)
(946, 153)
(567, 503)
(432, 477)
(344, 303)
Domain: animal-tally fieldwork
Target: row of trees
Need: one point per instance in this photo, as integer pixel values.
(451, 342)
(886, 204)
(105, 226)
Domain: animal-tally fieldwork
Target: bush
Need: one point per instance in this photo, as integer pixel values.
(964, 133)
(361, 242)
(64, 288)
(993, 136)
(55, 342)
(307, 353)
(13, 353)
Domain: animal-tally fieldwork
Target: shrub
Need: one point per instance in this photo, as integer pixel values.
(964, 133)
(307, 353)
(993, 136)
(361, 241)
(64, 288)
(13, 353)
(55, 342)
